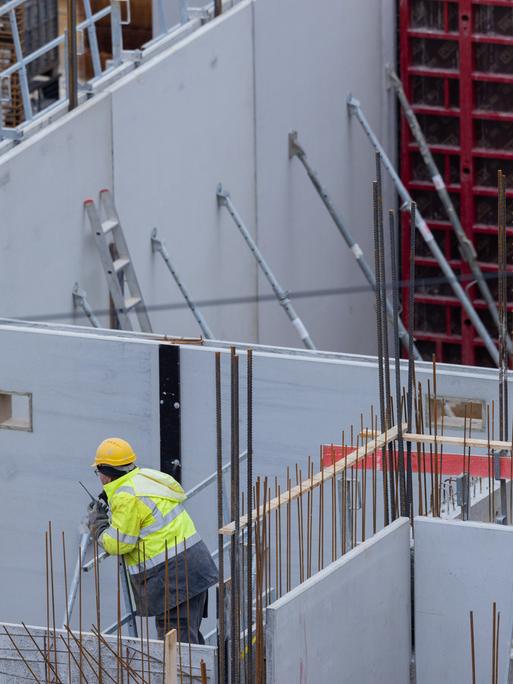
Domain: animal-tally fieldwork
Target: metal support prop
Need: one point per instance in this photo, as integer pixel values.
(355, 109)
(224, 200)
(295, 150)
(466, 247)
(80, 299)
(158, 246)
(71, 53)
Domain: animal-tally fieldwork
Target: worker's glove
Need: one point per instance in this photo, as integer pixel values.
(97, 518)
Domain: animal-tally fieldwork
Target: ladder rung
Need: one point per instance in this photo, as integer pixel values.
(119, 264)
(109, 225)
(131, 302)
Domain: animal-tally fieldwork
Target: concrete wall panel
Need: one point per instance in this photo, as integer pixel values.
(46, 243)
(337, 626)
(459, 567)
(183, 123)
(84, 390)
(308, 59)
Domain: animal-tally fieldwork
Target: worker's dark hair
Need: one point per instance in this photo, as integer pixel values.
(114, 473)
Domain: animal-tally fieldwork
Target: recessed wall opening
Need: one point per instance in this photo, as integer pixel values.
(455, 412)
(16, 411)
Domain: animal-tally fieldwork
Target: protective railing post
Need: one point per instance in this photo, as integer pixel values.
(355, 109)
(116, 32)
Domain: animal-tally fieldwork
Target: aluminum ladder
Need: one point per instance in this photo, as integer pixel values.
(117, 264)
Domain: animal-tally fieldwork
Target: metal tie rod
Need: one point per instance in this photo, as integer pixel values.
(295, 150)
(224, 200)
(466, 247)
(355, 109)
(158, 246)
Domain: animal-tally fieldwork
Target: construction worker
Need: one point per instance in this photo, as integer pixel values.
(146, 519)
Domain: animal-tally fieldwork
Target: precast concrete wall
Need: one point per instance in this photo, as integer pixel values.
(23, 648)
(461, 567)
(84, 389)
(88, 385)
(218, 106)
(350, 622)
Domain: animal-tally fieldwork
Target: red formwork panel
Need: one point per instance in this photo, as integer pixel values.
(456, 64)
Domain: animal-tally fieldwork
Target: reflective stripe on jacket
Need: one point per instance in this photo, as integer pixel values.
(146, 512)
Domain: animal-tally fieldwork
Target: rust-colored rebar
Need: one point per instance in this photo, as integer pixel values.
(21, 655)
(52, 588)
(177, 595)
(66, 598)
(472, 647)
(220, 519)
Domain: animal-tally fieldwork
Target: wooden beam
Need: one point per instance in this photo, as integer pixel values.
(457, 441)
(170, 674)
(311, 483)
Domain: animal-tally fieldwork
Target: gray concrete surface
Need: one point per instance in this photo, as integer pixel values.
(338, 625)
(146, 658)
(459, 567)
(218, 106)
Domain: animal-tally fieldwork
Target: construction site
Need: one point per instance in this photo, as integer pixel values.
(256, 265)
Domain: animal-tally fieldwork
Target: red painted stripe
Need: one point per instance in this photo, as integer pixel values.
(447, 464)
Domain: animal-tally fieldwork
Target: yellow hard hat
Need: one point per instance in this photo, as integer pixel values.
(114, 452)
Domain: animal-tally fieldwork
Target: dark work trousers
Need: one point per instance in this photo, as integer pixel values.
(191, 633)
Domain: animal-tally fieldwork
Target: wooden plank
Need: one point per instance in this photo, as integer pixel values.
(311, 483)
(170, 674)
(459, 441)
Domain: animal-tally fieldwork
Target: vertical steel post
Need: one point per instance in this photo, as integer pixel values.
(116, 32)
(218, 7)
(71, 53)
(355, 109)
(224, 200)
(411, 360)
(296, 150)
(93, 39)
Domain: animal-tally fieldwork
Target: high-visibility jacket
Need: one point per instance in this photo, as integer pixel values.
(147, 517)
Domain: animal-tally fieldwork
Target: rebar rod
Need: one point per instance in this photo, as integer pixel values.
(249, 495)
(158, 246)
(224, 200)
(466, 247)
(503, 327)
(296, 150)
(220, 521)
(71, 56)
(411, 360)
(395, 294)
(355, 109)
(235, 496)
(379, 331)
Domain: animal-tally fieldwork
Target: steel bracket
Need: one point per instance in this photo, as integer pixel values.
(295, 149)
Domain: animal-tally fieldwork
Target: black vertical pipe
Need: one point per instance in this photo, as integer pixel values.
(71, 56)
